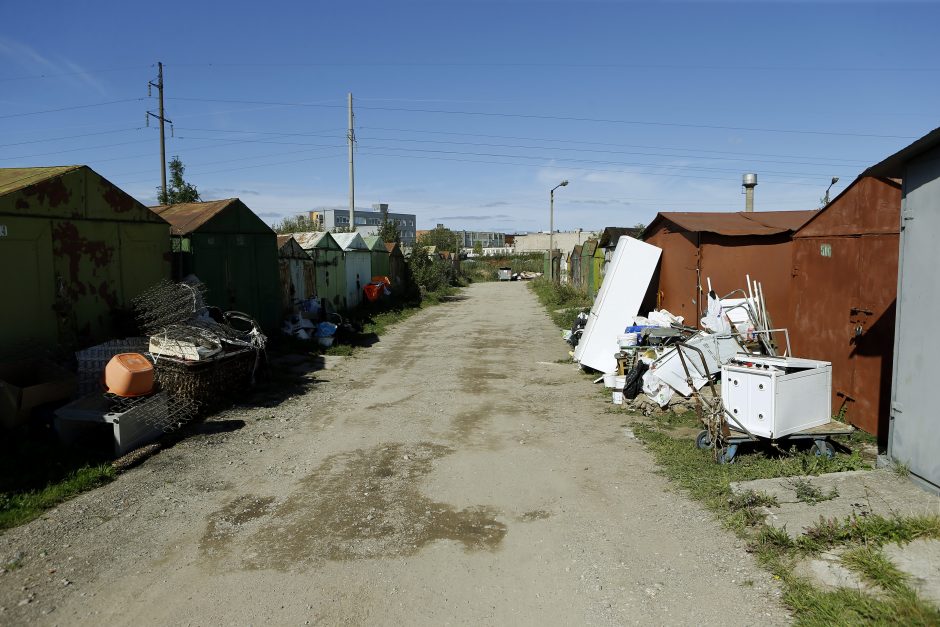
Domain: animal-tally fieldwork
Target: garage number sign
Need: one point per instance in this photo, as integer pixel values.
(3, 230)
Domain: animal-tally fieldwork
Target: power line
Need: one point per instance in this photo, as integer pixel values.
(594, 150)
(589, 143)
(555, 65)
(52, 139)
(554, 167)
(533, 116)
(593, 161)
(59, 152)
(746, 157)
(77, 73)
(72, 108)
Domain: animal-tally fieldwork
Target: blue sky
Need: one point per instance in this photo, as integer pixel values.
(467, 113)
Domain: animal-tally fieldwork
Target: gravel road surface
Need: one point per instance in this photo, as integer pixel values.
(456, 472)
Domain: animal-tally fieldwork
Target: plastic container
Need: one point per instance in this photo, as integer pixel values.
(627, 339)
(610, 380)
(617, 397)
(620, 381)
(129, 375)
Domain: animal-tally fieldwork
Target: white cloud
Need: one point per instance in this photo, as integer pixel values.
(31, 60)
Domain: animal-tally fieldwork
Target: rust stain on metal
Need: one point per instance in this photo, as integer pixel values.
(67, 242)
(116, 198)
(52, 192)
(844, 291)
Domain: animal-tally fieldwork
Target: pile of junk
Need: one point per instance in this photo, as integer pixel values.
(191, 360)
(312, 319)
(736, 371)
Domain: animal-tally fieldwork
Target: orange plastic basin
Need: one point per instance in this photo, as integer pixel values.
(129, 374)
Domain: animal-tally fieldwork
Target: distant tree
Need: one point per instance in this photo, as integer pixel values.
(636, 230)
(389, 232)
(441, 236)
(478, 248)
(296, 224)
(178, 190)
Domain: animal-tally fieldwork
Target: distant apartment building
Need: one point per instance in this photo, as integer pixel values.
(562, 240)
(367, 221)
(488, 239)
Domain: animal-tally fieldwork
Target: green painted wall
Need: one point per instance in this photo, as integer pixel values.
(76, 251)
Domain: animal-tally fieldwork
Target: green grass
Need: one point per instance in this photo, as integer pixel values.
(18, 507)
(558, 295)
(860, 537)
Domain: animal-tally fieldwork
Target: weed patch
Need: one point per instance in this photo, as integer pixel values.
(697, 473)
(806, 492)
(17, 508)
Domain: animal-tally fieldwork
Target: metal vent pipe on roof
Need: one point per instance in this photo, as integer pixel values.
(749, 182)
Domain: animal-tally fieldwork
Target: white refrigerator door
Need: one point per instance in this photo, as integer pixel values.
(618, 302)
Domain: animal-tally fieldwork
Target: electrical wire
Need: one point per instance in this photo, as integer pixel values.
(549, 117)
(52, 139)
(589, 161)
(590, 143)
(594, 150)
(59, 152)
(580, 169)
(72, 108)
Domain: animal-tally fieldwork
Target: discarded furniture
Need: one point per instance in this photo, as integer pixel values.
(617, 303)
(772, 397)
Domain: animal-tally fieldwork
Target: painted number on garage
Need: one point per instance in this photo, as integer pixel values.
(3, 230)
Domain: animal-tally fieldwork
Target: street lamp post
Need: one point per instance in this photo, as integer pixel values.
(835, 180)
(551, 228)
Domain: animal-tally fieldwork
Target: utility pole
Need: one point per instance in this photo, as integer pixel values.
(162, 120)
(351, 137)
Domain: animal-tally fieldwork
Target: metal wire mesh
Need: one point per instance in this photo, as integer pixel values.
(167, 304)
(161, 411)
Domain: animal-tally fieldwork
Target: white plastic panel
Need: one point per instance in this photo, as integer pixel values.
(617, 303)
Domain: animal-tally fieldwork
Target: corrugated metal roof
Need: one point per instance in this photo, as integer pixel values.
(893, 166)
(186, 217)
(374, 242)
(12, 179)
(288, 248)
(350, 241)
(612, 234)
(316, 239)
(736, 223)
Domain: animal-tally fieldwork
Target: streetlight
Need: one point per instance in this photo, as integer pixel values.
(835, 180)
(551, 228)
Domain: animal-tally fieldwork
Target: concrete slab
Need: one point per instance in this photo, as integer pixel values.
(921, 560)
(860, 492)
(827, 572)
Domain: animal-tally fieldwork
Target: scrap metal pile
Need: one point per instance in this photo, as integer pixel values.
(755, 388)
(192, 360)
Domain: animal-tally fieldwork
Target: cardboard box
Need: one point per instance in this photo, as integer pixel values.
(27, 384)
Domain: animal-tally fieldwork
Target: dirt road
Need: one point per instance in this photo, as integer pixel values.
(455, 472)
